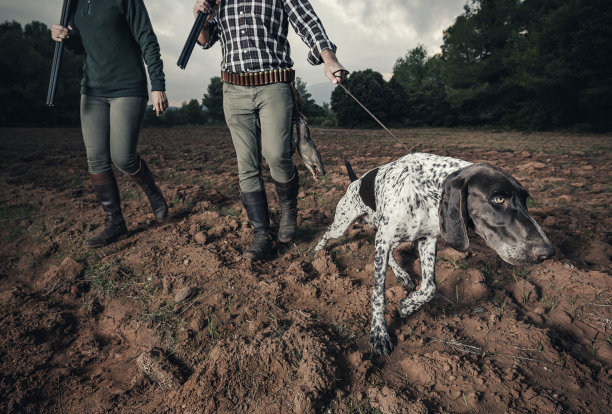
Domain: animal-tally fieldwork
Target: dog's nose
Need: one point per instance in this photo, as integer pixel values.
(542, 253)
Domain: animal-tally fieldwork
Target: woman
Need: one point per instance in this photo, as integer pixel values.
(115, 36)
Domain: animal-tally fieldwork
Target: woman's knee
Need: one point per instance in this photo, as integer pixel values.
(127, 163)
(99, 165)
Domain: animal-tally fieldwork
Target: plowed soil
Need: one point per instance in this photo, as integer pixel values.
(173, 320)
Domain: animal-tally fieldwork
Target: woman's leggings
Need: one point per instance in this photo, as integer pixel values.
(110, 129)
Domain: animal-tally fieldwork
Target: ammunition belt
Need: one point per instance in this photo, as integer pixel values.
(266, 77)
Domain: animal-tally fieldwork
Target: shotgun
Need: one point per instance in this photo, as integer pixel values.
(57, 55)
(192, 39)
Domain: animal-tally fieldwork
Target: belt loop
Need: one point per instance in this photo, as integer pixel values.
(267, 77)
(260, 78)
(241, 80)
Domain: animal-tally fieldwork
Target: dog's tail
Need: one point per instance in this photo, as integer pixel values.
(350, 171)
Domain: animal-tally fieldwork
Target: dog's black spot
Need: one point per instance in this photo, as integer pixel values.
(366, 190)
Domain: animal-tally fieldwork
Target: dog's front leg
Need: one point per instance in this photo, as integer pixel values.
(416, 299)
(379, 338)
(402, 276)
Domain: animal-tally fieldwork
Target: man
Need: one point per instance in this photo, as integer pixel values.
(257, 98)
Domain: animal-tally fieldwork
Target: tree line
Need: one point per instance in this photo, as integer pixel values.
(523, 64)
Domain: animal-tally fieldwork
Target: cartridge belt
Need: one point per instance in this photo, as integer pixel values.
(265, 77)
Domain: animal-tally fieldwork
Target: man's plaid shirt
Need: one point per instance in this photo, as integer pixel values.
(253, 34)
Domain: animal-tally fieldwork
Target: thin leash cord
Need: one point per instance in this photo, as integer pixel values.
(371, 114)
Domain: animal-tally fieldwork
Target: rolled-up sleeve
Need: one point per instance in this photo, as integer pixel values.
(308, 26)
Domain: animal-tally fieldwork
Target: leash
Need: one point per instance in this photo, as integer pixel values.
(340, 76)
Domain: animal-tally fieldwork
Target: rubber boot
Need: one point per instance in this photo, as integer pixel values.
(108, 195)
(256, 206)
(287, 197)
(144, 178)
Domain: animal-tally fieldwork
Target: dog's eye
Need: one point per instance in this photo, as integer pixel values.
(499, 199)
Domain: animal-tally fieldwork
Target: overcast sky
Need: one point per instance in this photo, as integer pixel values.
(369, 35)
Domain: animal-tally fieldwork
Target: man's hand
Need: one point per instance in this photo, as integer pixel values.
(205, 6)
(334, 71)
(160, 102)
(60, 33)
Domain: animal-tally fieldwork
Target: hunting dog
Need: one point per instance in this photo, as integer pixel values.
(422, 196)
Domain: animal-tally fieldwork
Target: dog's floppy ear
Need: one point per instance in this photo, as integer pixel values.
(453, 211)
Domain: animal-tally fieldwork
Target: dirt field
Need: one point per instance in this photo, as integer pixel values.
(172, 320)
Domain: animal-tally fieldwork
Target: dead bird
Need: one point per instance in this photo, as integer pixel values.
(307, 148)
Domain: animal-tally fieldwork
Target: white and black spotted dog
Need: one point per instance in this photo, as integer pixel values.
(423, 196)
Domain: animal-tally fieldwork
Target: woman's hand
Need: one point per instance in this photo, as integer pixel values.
(160, 102)
(60, 33)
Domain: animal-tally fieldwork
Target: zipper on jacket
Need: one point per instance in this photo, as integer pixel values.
(88, 6)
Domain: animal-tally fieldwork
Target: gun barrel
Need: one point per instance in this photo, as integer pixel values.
(57, 56)
(191, 40)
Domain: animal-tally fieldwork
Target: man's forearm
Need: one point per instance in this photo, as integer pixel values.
(328, 56)
(204, 36)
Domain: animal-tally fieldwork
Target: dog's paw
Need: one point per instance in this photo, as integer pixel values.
(380, 342)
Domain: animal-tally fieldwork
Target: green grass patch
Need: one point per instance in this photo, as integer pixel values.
(11, 218)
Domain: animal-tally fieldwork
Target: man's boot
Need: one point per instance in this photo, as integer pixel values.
(256, 206)
(108, 195)
(144, 178)
(287, 197)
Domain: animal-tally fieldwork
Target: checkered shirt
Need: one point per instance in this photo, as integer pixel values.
(253, 34)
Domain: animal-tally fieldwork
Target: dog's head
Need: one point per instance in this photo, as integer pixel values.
(493, 203)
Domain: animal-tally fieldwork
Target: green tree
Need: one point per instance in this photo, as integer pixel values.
(474, 51)
(369, 88)
(315, 113)
(421, 78)
(562, 63)
(25, 63)
(213, 100)
(192, 113)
